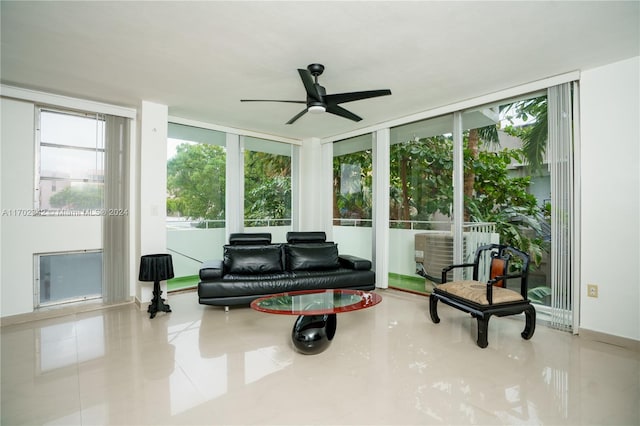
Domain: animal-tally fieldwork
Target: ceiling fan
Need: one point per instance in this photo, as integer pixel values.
(317, 99)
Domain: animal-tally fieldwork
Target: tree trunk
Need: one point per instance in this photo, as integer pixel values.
(469, 175)
(404, 214)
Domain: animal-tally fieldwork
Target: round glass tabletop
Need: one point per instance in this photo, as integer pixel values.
(316, 302)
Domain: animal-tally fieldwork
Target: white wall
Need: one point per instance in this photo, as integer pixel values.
(610, 164)
(200, 244)
(24, 235)
(314, 188)
(354, 240)
(152, 184)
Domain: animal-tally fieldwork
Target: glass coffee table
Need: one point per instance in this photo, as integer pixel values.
(316, 309)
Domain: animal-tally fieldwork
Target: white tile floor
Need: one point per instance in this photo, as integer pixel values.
(388, 365)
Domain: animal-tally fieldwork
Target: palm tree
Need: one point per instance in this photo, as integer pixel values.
(534, 136)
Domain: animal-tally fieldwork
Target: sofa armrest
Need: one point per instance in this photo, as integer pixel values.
(211, 270)
(354, 262)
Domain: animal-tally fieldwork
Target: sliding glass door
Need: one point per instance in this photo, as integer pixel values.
(196, 185)
(353, 195)
(420, 203)
(502, 188)
(267, 187)
(516, 188)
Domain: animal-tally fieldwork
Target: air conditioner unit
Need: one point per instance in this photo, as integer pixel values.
(433, 252)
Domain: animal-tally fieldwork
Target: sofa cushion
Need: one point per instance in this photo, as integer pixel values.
(297, 237)
(314, 256)
(249, 239)
(253, 259)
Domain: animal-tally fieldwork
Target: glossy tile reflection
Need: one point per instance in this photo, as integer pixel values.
(387, 365)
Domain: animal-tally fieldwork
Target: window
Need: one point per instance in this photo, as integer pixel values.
(507, 179)
(196, 211)
(70, 169)
(353, 195)
(420, 203)
(267, 187)
(196, 163)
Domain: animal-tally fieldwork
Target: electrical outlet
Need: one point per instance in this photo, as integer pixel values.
(592, 290)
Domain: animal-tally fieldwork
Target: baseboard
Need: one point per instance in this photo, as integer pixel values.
(143, 306)
(623, 342)
(58, 311)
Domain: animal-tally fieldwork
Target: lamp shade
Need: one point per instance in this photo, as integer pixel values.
(156, 267)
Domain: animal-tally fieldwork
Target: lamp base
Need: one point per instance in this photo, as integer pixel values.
(157, 303)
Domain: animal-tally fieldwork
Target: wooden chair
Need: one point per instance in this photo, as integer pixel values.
(493, 298)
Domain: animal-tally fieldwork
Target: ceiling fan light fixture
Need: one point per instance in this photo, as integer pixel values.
(317, 109)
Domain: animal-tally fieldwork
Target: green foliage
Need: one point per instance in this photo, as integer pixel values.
(421, 172)
(505, 201)
(534, 136)
(76, 198)
(269, 200)
(267, 192)
(540, 295)
(196, 182)
(516, 228)
(421, 186)
(353, 185)
(494, 188)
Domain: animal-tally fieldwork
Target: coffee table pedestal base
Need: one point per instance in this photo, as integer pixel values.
(313, 334)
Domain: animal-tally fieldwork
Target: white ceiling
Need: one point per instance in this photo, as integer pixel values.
(201, 58)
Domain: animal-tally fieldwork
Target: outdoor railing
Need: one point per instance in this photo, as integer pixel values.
(180, 223)
(183, 223)
(423, 225)
(255, 223)
(192, 241)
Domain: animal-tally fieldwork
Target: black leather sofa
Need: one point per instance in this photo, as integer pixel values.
(253, 267)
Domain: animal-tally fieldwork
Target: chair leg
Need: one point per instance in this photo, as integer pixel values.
(483, 327)
(530, 323)
(433, 309)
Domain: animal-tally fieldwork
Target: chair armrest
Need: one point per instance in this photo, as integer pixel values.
(450, 267)
(354, 262)
(491, 282)
(503, 277)
(211, 270)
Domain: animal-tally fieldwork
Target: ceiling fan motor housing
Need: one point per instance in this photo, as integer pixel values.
(321, 94)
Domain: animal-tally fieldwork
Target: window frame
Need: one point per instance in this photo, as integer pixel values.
(37, 289)
(38, 210)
